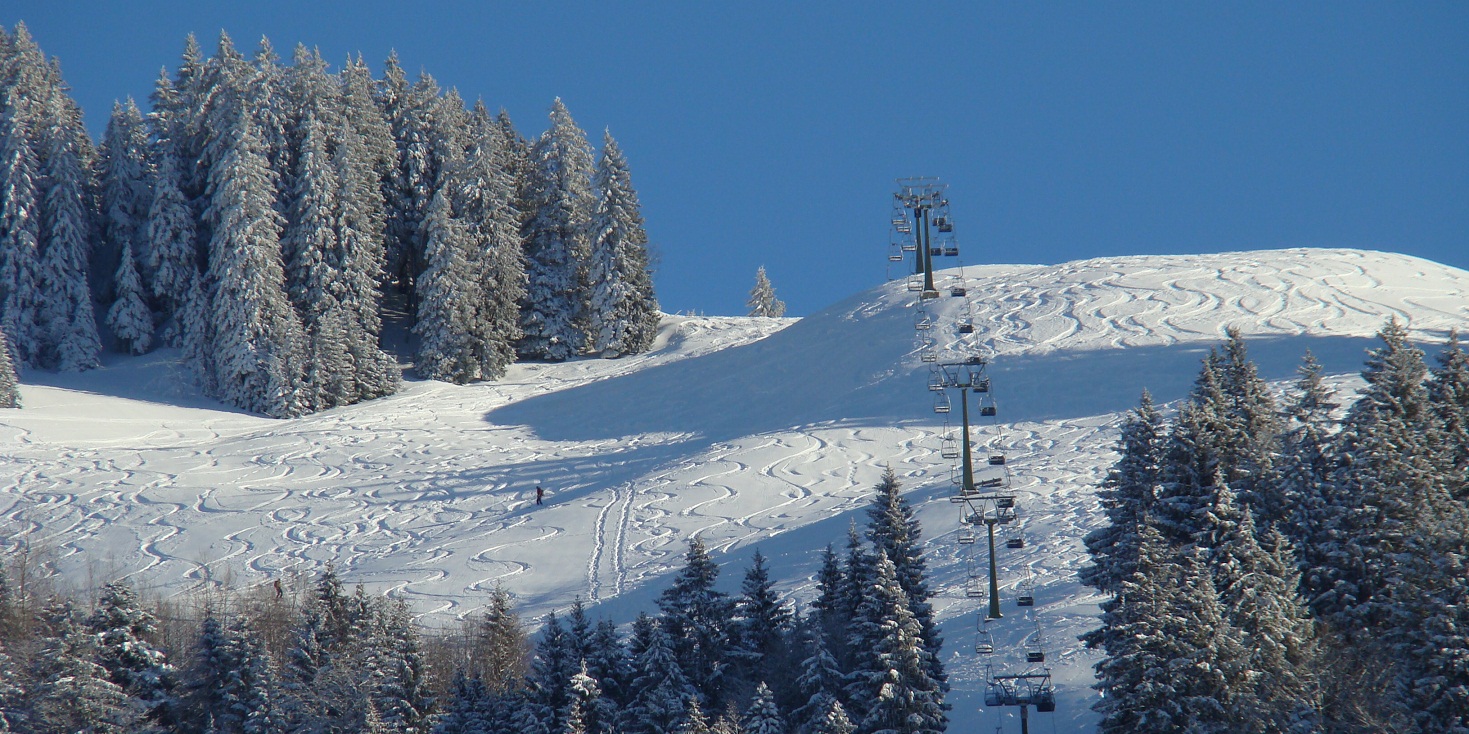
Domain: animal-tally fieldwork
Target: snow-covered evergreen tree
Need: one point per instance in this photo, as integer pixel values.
(1448, 391)
(124, 632)
(359, 260)
(67, 188)
(557, 241)
(895, 533)
(588, 711)
(623, 312)
(403, 696)
(762, 626)
(445, 314)
(231, 681)
(891, 681)
(129, 318)
(72, 692)
(1303, 500)
(124, 179)
(465, 713)
(606, 659)
(830, 611)
(833, 720)
(258, 344)
(9, 381)
(487, 189)
(1127, 494)
(172, 251)
(1258, 588)
(820, 683)
(20, 233)
(1171, 657)
(660, 692)
(762, 297)
(1250, 412)
(763, 717)
(696, 618)
(500, 648)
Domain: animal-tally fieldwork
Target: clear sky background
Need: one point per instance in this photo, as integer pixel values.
(771, 132)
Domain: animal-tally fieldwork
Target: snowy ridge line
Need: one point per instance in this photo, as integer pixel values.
(429, 492)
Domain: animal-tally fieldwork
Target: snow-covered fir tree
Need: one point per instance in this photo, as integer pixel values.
(1127, 495)
(1448, 392)
(1171, 658)
(9, 381)
(231, 681)
(557, 239)
(696, 618)
(500, 645)
(66, 187)
(623, 312)
(258, 345)
(895, 533)
(124, 181)
(172, 250)
(20, 233)
(129, 318)
(762, 626)
(891, 682)
(660, 691)
(445, 314)
(72, 692)
(820, 683)
(125, 634)
(762, 297)
(762, 717)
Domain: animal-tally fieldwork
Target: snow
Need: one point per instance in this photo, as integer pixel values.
(746, 431)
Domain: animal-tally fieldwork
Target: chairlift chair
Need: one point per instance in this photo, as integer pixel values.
(949, 449)
(929, 354)
(965, 327)
(945, 225)
(958, 291)
(1015, 541)
(982, 385)
(936, 382)
(941, 402)
(950, 249)
(984, 643)
(1035, 656)
(997, 460)
(1004, 503)
(927, 295)
(996, 482)
(987, 411)
(922, 322)
(915, 282)
(966, 534)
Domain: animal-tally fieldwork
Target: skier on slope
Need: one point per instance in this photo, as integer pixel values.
(539, 494)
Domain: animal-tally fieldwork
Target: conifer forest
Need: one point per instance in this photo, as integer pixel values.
(272, 219)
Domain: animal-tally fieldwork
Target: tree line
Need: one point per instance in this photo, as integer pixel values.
(265, 218)
(864, 659)
(1295, 568)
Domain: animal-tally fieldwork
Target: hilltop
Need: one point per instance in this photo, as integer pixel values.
(767, 432)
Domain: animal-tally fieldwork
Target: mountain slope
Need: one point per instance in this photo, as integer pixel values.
(746, 431)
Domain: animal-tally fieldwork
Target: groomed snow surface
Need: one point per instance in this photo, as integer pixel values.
(747, 432)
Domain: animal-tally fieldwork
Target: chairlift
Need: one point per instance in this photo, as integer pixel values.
(1015, 541)
(928, 295)
(935, 251)
(984, 642)
(1035, 652)
(974, 588)
(941, 402)
(958, 291)
(895, 254)
(982, 385)
(1004, 503)
(949, 449)
(915, 282)
(966, 534)
(922, 322)
(965, 327)
(995, 482)
(997, 460)
(1026, 597)
(1035, 656)
(936, 381)
(929, 354)
(987, 410)
(950, 249)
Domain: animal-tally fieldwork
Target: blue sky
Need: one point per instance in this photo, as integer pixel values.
(771, 132)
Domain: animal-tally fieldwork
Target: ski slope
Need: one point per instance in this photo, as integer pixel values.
(747, 432)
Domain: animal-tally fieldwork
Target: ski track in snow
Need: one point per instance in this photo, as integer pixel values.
(422, 494)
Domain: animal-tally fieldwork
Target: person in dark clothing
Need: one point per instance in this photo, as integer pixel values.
(539, 494)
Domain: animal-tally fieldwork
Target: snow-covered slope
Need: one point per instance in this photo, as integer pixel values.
(766, 432)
